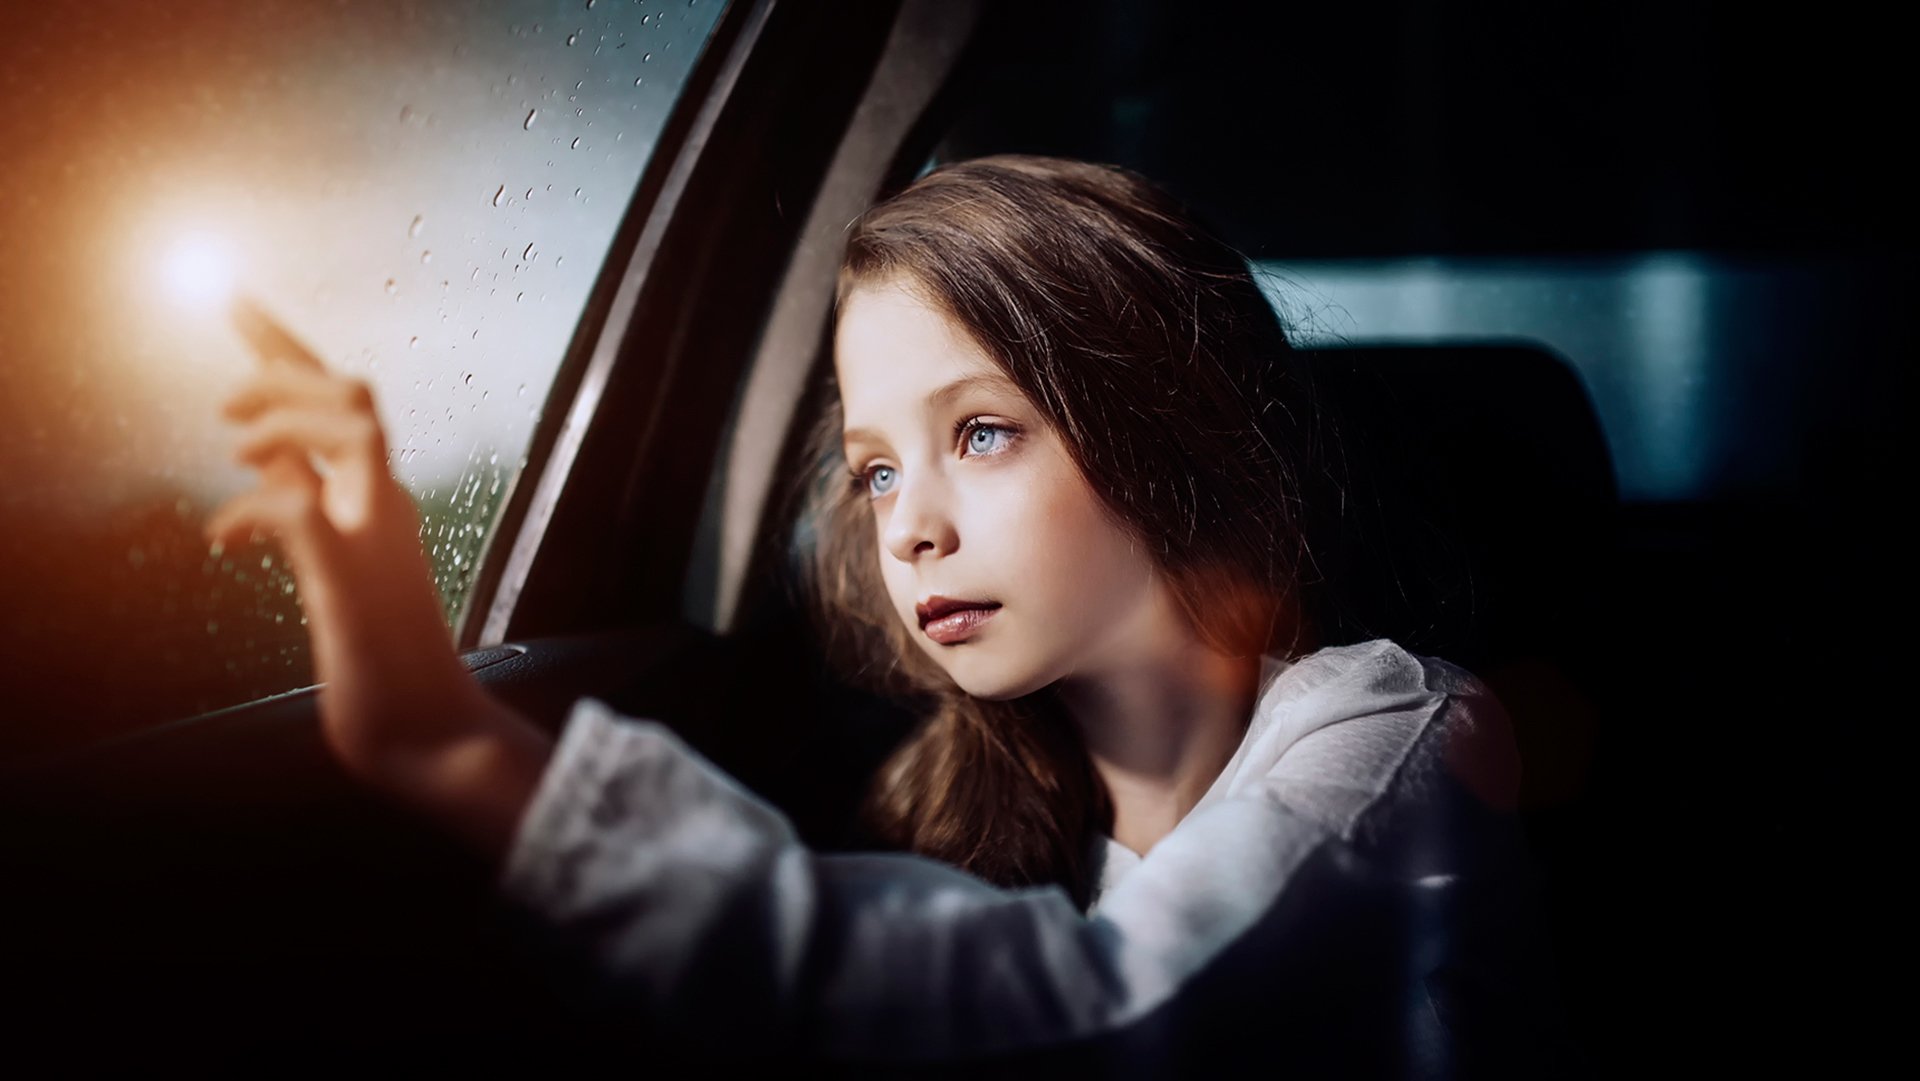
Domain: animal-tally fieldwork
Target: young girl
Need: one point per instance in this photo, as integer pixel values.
(1061, 503)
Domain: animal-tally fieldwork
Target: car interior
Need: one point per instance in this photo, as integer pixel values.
(1667, 662)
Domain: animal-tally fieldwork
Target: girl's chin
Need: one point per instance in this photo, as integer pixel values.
(991, 678)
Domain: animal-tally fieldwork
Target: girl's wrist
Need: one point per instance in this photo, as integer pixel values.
(475, 776)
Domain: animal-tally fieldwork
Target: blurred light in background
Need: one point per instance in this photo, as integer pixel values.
(422, 193)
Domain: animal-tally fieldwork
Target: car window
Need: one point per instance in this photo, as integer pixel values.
(424, 194)
(1668, 344)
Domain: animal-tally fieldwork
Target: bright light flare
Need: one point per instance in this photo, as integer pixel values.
(198, 271)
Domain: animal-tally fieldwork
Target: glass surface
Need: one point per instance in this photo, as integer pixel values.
(1694, 362)
(424, 194)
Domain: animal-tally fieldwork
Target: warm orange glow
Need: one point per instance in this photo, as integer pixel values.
(199, 271)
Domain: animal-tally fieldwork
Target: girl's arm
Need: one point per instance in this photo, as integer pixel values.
(703, 905)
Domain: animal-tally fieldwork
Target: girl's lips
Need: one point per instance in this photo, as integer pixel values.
(957, 626)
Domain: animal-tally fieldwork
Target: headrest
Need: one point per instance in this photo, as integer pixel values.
(1469, 504)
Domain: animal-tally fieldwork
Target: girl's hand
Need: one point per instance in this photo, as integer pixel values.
(397, 706)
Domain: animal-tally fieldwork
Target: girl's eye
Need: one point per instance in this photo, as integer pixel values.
(983, 438)
(880, 480)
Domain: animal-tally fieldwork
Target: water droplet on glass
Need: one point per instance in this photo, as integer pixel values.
(573, 37)
(521, 393)
(528, 124)
(426, 257)
(645, 57)
(640, 80)
(392, 287)
(413, 343)
(469, 379)
(499, 194)
(413, 230)
(575, 145)
(528, 254)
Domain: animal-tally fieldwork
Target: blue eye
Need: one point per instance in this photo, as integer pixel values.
(987, 438)
(876, 477)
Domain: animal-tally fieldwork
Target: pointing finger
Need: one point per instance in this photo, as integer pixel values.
(268, 339)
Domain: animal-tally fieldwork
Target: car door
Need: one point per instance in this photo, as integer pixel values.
(213, 877)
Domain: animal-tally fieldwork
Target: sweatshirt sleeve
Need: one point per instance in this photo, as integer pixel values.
(701, 901)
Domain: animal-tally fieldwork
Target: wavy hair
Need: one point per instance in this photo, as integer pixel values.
(1146, 344)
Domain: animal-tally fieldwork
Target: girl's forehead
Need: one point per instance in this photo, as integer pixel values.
(891, 348)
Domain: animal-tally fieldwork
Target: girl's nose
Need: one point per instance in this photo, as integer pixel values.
(919, 523)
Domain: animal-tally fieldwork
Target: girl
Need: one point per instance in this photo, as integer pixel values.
(1061, 502)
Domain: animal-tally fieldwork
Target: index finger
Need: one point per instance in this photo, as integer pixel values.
(269, 340)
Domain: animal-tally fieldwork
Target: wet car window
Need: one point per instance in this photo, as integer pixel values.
(423, 194)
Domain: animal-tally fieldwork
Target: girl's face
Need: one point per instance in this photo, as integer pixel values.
(975, 499)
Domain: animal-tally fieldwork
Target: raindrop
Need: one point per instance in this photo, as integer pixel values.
(573, 37)
(518, 297)
(414, 229)
(413, 343)
(266, 563)
(392, 287)
(528, 254)
(521, 393)
(499, 194)
(638, 81)
(469, 379)
(646, 57)
(426, 257)
(528, 124)
(494, 458)
(575, 145)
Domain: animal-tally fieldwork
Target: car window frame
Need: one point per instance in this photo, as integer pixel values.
(616, 504)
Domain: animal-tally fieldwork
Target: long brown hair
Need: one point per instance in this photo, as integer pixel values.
(1147, 345)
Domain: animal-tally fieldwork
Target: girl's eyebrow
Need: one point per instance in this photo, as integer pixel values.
(993, 383)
